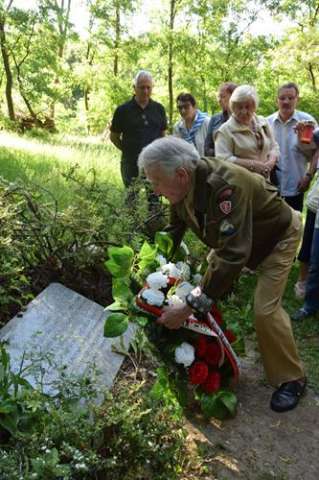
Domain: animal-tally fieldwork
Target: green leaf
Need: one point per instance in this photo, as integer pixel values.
(147, 256)
(121, 291)
(120, 261)
(181, 253)
(229, 399)
(219, 405)
(115, 324)
(117, 307)
(140, 320)
(5, 359)
(165, 244)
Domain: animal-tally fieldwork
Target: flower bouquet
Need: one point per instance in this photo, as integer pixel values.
(199, 357)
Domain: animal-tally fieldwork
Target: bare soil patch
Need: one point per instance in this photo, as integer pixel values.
(260, 444)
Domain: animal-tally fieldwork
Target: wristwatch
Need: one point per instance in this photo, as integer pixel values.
(198, 301)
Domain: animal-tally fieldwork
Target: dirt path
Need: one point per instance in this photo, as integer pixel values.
(260, 444)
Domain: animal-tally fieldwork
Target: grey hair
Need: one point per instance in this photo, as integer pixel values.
(168, 153)
(142, 74)
(243, 93)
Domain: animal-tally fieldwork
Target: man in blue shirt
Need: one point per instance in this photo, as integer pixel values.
(294, 169)
(224, 94)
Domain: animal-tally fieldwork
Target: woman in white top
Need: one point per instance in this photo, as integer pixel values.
(246, 139)
(193, 126)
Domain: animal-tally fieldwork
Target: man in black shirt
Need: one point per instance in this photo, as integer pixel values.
(135, 124)
(224, 94)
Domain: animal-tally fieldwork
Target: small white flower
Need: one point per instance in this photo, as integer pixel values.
(161, 260)
(185, 354)
(174, 300)
(157, 280)
(183, 289)
(171, 270)
(197, 278)
(184, 269)
(153, 297)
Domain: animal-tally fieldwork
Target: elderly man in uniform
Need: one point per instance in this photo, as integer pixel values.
(135, 124)
(240, 216)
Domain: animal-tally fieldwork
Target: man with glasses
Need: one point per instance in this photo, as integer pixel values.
(295, 167)
(135, 124)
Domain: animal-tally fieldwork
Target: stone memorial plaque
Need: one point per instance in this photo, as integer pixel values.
(68, 328)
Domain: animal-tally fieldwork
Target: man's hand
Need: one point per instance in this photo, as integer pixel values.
(304, 183)
(174, 317)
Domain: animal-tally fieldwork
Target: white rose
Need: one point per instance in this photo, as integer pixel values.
(183, 289)
(174, 300)
(157, 280)
(171, 270)
(153, 297)
(197, 278)
(185, 354)
(184, 269)
(161, 260)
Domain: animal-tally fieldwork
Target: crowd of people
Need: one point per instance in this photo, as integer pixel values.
(238, 180)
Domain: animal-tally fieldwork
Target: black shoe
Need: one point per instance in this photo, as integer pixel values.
(287, 396)
(301, 314)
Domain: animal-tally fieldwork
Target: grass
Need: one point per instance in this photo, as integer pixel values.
(44, 162)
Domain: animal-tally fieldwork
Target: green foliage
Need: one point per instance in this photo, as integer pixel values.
(129, 436)
(164, 243)
(115, 324)
(120, 261)
(219, 405)
(78, 82)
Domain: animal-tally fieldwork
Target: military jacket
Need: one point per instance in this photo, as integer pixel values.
(235, 212)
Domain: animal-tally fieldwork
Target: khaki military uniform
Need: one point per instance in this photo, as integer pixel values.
(245, 222)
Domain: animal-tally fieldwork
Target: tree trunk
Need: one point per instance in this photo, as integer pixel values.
(312, 76)
(170, 61)
(63, 16)
(7, 69)
(117, 39)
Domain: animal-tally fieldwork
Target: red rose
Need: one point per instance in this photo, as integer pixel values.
(212, 383)
(231, 337)
(213, 354)
(217, 315)
(198, 373)
(201, 345)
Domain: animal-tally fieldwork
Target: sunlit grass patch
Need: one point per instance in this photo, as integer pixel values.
(44, 163)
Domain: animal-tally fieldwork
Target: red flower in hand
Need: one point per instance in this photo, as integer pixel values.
(212, 383)
(198, 373)
(201, 345)
(213, 354)
(217, 315)
(231, 337)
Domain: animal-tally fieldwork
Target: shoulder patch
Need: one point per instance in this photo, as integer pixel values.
(225, 207)
(225, 194)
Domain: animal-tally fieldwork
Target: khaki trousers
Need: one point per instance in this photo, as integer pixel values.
(274, 332)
